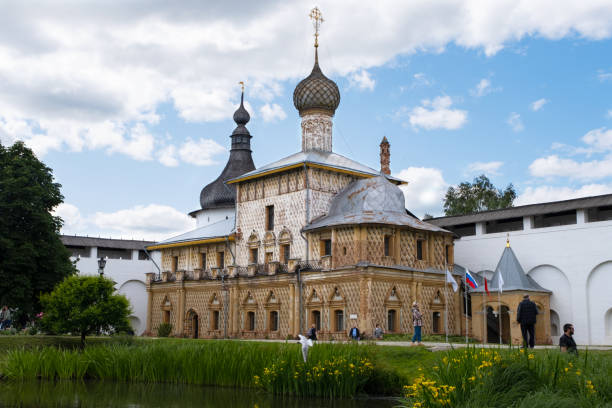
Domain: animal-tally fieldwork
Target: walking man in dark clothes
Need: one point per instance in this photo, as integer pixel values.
(526, 316)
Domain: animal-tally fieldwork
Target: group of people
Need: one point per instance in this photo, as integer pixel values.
(5, 318)
(526, 316)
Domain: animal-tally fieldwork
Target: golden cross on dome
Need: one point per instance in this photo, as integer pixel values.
(317, 18)
(507, 240)
(242, 85)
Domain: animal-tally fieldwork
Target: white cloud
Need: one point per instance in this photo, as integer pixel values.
(597, 141)
(604, 76)
(483, 88)
(491, 168)
(200, 152)
(515, 122)
(272, 112)
(543, 194)
(152, 222)
(167, 156)
(537, 105)
(420, 79)
(609, 114)
(73, 221)
(436, 114)
(362, 80)
(425, 190)
(70, 68)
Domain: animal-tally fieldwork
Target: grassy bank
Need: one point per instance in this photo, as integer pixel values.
(478, 377)
(333, 370)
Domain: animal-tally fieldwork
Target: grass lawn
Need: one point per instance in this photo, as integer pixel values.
(466, 377)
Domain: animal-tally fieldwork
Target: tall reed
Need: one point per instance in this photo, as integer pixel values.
(224, 363)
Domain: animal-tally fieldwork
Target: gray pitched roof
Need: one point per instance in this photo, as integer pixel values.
(370, 201)
(217, 229)
(513, 275)
(524, 210)
(76, 240)
(329, 159)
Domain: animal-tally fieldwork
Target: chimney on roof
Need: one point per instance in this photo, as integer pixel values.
(385, 156)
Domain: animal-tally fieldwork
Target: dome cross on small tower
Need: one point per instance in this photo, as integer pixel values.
(317, 19)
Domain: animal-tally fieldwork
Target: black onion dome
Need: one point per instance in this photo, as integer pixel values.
(218, 194)
(316, 91)
(241, 116)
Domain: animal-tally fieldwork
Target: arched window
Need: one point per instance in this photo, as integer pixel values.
(436, 326)
(251, 321)
(339, 320)
(391, 320)
(316, 319)
(274, 320)
(214, 321)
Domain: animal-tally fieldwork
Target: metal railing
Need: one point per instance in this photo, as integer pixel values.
(311, 265)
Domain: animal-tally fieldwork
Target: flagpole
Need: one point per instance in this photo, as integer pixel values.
(466, 310)
(500, 314)
(445, 302)
(484, 316)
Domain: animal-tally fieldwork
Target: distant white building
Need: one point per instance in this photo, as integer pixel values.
(127, 263)
(565, 246)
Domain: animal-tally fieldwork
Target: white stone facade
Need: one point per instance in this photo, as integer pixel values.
(573, 261)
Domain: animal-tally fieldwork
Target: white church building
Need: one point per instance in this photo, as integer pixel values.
(127, 262)
(565, 246)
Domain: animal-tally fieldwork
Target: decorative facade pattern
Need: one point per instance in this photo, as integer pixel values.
(317, 132)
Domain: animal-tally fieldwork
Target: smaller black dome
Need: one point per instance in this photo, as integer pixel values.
(218, 194)
(241, 116)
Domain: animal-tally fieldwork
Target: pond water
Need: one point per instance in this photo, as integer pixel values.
(100, 394)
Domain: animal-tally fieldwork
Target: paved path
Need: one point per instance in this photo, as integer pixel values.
(433, 346)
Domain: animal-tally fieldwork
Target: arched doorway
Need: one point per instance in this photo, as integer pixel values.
(192, 324)
(555, 324)
(494, 318)
(608, 325)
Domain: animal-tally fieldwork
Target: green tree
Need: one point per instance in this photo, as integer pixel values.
(481, 195)
(32, 257)
(84, 305)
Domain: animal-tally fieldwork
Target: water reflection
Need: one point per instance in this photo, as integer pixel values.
(99, 394)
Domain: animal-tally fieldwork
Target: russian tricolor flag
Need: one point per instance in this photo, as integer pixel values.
(469, 279)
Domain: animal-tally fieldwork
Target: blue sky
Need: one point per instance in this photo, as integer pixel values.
(132, 107)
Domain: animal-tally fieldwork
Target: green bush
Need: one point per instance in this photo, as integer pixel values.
(164, 330)
(475, 377)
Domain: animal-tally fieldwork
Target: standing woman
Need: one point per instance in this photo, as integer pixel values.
(417, 322)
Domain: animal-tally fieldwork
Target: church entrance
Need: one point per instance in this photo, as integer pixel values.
(494, 318)
(192, 324)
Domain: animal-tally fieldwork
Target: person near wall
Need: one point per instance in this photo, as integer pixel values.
(312, 332)
(566, 342)
(417, 322)
(5, 318)
(354, 333)
(378, 332)
(526, 317)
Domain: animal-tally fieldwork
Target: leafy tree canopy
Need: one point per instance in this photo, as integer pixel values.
(32, 257)
(481, 195)
(84, 305)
